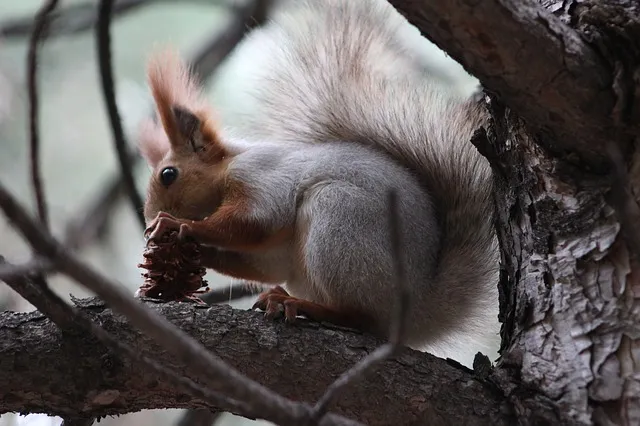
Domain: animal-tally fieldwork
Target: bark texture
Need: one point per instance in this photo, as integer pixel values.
(569, 288)
(43, 370)
(564, 66)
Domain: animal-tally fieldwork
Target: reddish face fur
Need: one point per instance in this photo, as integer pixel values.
(185, 139)
(195, 194)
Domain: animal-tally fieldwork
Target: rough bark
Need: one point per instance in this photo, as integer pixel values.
(569, 288)
(570, 293)
(42, 370)
(564, 74)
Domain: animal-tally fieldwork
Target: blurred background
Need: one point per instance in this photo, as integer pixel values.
(77, 156)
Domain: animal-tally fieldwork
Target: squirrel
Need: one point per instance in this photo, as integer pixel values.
(296, 196)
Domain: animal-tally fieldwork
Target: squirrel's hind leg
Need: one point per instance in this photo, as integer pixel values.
(277, 298)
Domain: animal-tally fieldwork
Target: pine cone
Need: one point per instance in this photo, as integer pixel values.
(173, 269)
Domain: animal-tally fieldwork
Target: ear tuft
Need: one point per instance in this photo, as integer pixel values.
(152, 142)
(172, 84)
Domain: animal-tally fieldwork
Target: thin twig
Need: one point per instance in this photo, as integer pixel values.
(225, 294)
(39, 296)
(91, 223)
(37, 265)
(222, 43)
(215, 372)
(400, 317)
(34, 108)
(71, 320)
(103, 39)
(398, 324)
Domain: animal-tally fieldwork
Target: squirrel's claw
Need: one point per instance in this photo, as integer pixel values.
(163, 223)
(274, 301)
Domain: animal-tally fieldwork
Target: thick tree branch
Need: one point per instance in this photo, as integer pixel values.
(568, 287)
(538, 65)
(73, 322)
(66, 375)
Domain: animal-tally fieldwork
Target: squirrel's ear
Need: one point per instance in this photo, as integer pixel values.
(152, 142)
(184, 114)
(197, 134)
(188, 126)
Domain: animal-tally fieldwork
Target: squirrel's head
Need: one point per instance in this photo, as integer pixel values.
(182, 146)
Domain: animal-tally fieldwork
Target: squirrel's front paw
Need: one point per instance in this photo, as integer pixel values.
(163, 223)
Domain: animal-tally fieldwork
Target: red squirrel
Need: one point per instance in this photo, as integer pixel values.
(296, 197)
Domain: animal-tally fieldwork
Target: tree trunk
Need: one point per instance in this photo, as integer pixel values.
(570, 297)
(566, 218)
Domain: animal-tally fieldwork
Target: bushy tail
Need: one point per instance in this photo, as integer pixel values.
(344, 70)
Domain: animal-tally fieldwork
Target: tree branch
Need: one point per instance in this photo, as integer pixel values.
(539, 66)
(103, 40)
(73, 322)
(34, 108)
(82, 377)
(213, 52)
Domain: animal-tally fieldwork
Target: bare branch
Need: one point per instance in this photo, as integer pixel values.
(400, 318)
(90, 223)
(217, 374)
(72, 19)
(226, 294)
(37, 265)
(38, 295)
(103, 39)
(299, 361)
(32, 88)
(565, 87)
(222, 43)
(398, 325)
(74, 322)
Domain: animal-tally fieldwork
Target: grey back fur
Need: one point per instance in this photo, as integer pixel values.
(341, 70)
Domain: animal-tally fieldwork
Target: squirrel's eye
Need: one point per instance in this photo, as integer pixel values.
(168, 175)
